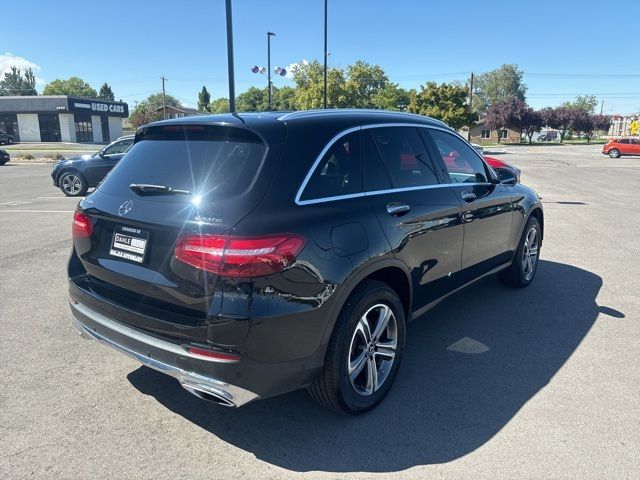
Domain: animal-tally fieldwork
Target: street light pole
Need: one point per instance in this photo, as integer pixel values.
(325, 55)
(269, 35)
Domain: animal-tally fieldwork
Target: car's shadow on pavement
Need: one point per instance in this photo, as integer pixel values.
(446, 402)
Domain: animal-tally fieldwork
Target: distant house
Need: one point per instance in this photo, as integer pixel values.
(481, 133)
(178, 112)
(621, 125)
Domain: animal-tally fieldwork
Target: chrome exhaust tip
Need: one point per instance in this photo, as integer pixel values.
(210, 394)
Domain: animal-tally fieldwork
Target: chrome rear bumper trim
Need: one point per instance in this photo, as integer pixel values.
(195, 383)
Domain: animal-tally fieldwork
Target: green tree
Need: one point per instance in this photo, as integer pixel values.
(284, 98)
(308, 78)
(393, 97)
(17, 84)
(72, 86)
(446, 102)
(150, 109)
(364, 82)
(586, 103)
(143, 114)
(155, 100)
(105, 92)
(219, 105)
(204, 99)
(253, 100)
(499, 84)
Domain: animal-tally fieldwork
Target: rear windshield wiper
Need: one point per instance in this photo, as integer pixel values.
(148, 189)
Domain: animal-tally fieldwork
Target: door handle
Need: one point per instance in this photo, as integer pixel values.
(468, 196)
(397, 208)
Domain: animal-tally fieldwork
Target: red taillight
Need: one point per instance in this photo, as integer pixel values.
(82, 226)
(239, 256)
(214, 354)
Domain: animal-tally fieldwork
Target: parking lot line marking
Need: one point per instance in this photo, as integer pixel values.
(61, 197)
(14, 203)
(36, 211)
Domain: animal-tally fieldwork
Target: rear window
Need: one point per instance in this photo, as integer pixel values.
(210, 161)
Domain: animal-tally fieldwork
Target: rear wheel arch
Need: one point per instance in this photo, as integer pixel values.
(392, 272)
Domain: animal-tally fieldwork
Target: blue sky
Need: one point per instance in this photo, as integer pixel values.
(565, 48)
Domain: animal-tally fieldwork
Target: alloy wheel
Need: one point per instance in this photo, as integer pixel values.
(372, 350)
(71, 184)
(530, 253)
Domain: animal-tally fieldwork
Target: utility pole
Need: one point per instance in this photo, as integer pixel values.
(164, 105)
(269, 35)
(471, 91)
(602, 106)
(232, 86)
(324, 102)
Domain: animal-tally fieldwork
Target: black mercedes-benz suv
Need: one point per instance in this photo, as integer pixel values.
(254, 254)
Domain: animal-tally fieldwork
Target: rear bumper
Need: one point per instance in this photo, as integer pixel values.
(166, 357)
(229, 383)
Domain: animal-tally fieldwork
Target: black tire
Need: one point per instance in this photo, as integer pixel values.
(614, 153)
(333, 388)
(517, 275)
(73, 183)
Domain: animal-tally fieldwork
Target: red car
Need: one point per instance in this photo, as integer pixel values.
(622, 146)
(454, 162)
(495, 163)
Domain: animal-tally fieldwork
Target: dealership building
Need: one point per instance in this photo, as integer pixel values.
(61, 118)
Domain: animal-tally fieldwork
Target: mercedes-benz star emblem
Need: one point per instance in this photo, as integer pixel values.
(125, 207)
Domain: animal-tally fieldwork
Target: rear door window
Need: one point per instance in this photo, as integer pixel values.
(405, 156)
(209, 161)
(461, 160)
(339, 171)
(376, 176)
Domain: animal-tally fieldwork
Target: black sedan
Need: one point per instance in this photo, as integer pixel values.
(74, 176)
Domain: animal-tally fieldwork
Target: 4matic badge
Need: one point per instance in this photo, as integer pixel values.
(203, 219)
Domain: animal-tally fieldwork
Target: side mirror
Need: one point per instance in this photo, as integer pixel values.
(506, 176)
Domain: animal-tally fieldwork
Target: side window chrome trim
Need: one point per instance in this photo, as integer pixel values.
(330, 199)
(338, 136)
(390, 190)
(317, 162)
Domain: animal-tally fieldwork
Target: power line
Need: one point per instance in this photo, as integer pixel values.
(582, 75)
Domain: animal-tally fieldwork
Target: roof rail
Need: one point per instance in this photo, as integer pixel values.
(351, 111)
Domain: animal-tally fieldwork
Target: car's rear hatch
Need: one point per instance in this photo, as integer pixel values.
(177, 179)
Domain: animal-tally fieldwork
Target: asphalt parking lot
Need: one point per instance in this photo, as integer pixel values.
(542, 382)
